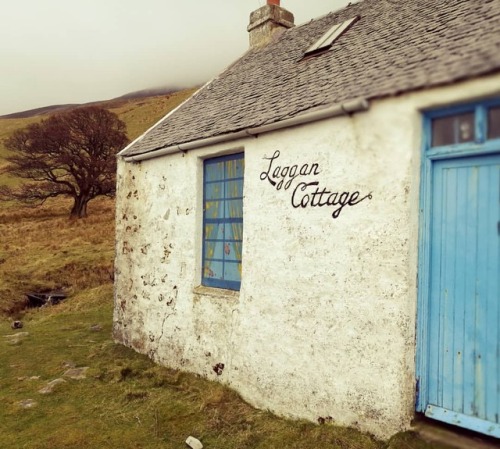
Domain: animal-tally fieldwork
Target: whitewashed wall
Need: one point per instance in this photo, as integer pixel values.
(324, 324)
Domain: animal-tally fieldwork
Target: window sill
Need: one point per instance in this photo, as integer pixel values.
(216, 292)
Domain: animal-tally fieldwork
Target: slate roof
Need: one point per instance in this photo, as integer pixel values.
(396, 46)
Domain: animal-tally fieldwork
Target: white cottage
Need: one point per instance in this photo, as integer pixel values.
(319, 226)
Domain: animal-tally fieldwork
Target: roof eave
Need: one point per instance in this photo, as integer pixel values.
(346, 108)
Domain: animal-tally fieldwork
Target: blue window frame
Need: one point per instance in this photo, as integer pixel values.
(460, 130)
(223, 221)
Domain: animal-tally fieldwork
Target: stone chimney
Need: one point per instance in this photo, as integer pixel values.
(266, 21)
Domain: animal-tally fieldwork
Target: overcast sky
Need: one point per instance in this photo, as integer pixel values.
(76, 51)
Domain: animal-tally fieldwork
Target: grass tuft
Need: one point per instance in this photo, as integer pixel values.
(42, 250)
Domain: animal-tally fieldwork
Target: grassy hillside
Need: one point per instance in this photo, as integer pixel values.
(139, 114)
(7, 127)
(40, 249)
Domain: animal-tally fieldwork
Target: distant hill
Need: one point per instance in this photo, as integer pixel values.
(149, 93)
(145, 93)
(39, 111)
(139, 110)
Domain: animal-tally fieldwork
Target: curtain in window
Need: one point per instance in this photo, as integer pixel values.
(223, 221)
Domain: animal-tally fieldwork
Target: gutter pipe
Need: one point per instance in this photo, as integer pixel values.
(346, 108)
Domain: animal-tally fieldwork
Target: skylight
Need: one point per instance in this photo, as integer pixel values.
(327, 40)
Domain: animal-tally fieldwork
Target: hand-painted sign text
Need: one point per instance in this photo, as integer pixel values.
(308, 194)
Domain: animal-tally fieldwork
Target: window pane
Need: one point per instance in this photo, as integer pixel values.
(234, 231)
(232, 251)
(234, 189)
(232, 271)
(214, 171)
(452, 130)
(214, 191)
(234, 209)
(214, 209)
(214, 250)
(235, 168)
(213, 269)
(494, 123)
(214, 231)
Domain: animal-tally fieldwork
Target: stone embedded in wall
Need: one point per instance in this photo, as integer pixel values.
(167, 250)
(325, 420)
(134, 194)
(218, 368)
(173, 297)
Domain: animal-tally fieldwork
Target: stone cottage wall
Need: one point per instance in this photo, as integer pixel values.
(324, 324)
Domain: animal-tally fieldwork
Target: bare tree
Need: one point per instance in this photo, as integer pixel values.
(71, 154)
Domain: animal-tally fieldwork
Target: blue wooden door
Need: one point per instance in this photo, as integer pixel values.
(462, 371)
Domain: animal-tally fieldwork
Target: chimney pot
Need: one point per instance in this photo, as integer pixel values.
(273, 2)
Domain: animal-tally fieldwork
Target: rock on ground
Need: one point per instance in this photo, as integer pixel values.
(193, 443)
(49, 388)
(27, 403)
(77, 373)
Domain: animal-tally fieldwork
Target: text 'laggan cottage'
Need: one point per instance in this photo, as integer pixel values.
(318, 227)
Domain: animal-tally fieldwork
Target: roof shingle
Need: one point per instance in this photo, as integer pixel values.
(395, 47)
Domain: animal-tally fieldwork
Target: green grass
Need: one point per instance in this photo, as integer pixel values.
(126, 401)
(41, 250)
